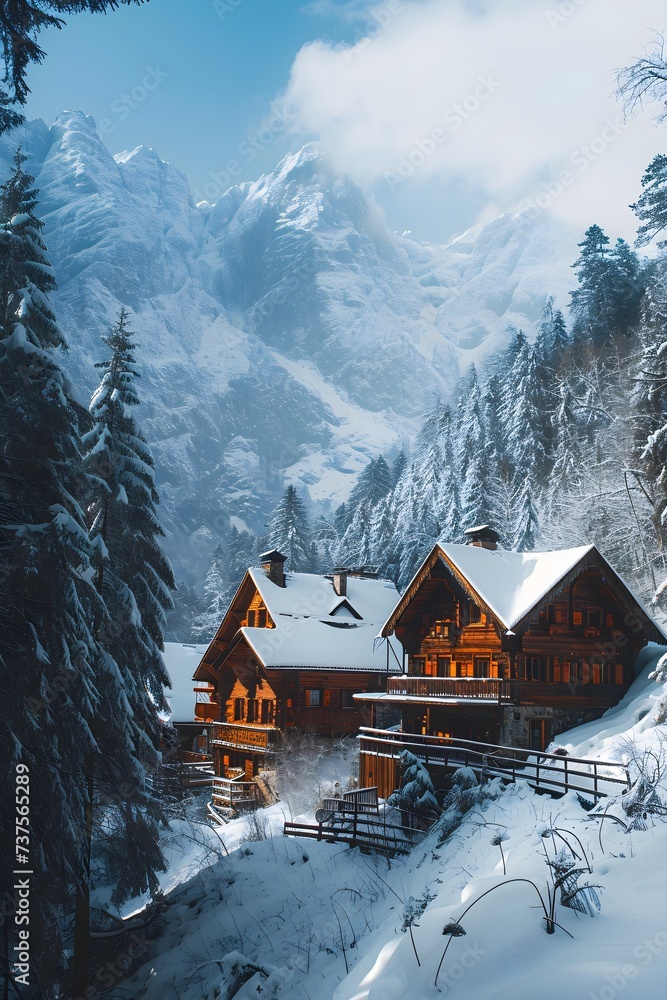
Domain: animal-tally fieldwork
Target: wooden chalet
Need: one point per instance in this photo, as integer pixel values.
(290, 654)
(508, 648)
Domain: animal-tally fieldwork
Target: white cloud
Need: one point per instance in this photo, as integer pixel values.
(505, 95)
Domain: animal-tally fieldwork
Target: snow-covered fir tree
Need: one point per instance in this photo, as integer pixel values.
(526, 521)
(651, 206)
(289, 532)
(215, 598)
(51, 665)
(476, 489)
(607, 299)
(135, 580)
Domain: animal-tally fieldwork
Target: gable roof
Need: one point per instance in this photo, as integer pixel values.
(511, 585)
(307, 633)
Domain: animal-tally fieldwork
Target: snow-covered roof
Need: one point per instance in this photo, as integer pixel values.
(512, 583)
(314, 631)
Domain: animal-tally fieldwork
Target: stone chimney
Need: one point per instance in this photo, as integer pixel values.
(272, 563)
(340, 581)
(482, 536)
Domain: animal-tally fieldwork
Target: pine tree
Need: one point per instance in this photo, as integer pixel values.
(215, 597)
(629, 287)
(566, 475)
(552, 340)
(524, 415)
(135, 580)
(398, 468)
(651, 206)
(650, 403)
(51, 665)
(289, 532)
(607, 300)
(374, 483)
(526, 527)
(473, 462)
(356, 548)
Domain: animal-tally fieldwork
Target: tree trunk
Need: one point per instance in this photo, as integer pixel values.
(81, 957)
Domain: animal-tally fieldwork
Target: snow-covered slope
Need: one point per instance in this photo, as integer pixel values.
(283, 331)
(323, 922)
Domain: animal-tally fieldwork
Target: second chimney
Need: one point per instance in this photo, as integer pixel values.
(483, 536)
(272, 563)
(340, 581)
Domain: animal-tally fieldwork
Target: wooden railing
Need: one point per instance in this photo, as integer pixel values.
(195, 769)
(551, 772)
(232, 794)
(480, 688)
(206, 711)
(360, 800)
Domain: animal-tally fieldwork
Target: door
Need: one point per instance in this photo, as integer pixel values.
(539, 734)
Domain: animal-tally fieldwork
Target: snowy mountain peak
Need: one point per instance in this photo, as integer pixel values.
(316, 337)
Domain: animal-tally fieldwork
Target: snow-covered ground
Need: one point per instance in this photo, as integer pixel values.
(323, 922)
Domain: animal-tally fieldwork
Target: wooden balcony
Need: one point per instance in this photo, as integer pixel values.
(230, 793)
(240, 737)
(207, 711)
(455, 688)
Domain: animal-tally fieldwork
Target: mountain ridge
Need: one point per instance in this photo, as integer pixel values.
(284, 334)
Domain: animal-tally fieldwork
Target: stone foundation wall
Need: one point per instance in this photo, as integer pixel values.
(514, 725)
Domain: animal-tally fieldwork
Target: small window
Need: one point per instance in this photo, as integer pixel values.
(418, 664)
(577, 618)
(261, 618)
(238, 709)
(313, 699)
(347, 699)
(251, 619)
(253, 709)
(595, 618)
(558, 616)
(441, 629)
(267, 712)
(536, 668)
(444, 666)
(482, 666)
(475, 613)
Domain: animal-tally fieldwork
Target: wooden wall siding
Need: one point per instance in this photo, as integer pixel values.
(288, 693)
(601, 634)
(380, 771)
(263, 692)
(257, 604)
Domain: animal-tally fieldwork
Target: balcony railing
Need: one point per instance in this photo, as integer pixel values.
(480, 688)
(207, 711)
(252, 737)
(230, 793)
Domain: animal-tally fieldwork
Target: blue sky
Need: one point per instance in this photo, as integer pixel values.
(223, 62)
(449, 111)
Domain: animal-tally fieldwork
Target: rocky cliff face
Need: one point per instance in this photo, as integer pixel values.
(283, 332)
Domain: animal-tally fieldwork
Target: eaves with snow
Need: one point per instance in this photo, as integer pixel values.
(315, 628)
(512, 586)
